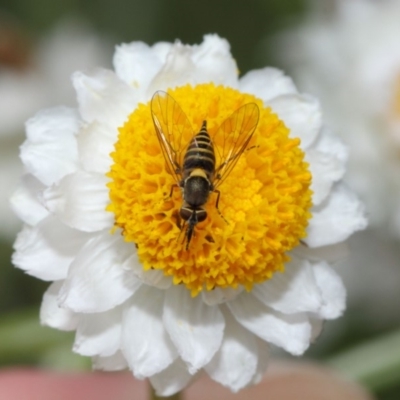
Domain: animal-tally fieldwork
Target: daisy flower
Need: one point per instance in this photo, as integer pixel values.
(102, 217)
(350, 58)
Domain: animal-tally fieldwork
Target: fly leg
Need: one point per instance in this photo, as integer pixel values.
(170, 193)
(172, 189)
(216, 206)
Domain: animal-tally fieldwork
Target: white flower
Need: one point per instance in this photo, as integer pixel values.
(176, 312)
(41, 83)
(351, 60)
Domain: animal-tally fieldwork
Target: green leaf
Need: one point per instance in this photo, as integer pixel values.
(24, 341)
(375, 364)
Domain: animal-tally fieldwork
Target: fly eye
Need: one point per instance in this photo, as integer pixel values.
(185, 213)
(201, 215)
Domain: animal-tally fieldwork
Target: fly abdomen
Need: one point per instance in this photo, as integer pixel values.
(200, 153)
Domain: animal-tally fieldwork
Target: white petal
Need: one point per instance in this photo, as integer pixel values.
(317, 324)
(235, 363)
(214, 62)
(331, 144)
(145, 342)
(172, 379)
(50, 151)
(195, 328)
(336, 218)
(263, 360)
(162, 49)
(54, 316)
(325, 169)
(327, 158)
(103, 97)
(291, 332)
(331, 253)
(25, 200)
(178, 70)
(267, 83)
(116, 362)
(219, 295)
(95, 143)
(333, 291)
(80, 201)
(136, 64)
(210, 61)
(301, 114)
(99, 334)
(152, 277)
(47, 250)
(293, 291)
(99, 278)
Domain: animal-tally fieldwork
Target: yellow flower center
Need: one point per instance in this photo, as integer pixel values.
(264, 203)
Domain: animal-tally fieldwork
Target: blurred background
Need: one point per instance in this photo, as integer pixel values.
(345, 52)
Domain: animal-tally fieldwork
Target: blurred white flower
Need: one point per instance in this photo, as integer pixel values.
(348, 54)
(350, 58)
(123, 279)
(43, 80)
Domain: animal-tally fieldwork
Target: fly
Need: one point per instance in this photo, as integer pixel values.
(192, 162)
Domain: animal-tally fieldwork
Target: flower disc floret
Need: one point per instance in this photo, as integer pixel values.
(265, 200)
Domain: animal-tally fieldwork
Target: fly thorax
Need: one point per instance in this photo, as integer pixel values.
(196, 191)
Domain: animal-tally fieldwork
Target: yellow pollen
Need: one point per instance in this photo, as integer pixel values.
(264, 203)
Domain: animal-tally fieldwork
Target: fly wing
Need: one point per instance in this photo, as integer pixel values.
(233, 137)
(173, 129)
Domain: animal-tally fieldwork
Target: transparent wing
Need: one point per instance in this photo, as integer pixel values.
(233, 137)
(173, 130)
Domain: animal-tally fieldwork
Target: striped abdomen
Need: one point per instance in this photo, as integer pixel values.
(200, 154)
